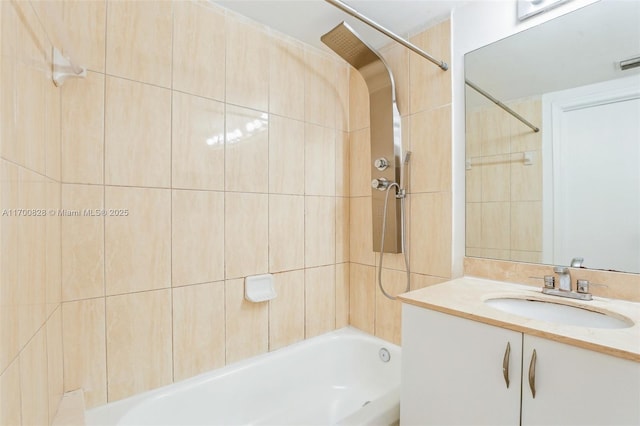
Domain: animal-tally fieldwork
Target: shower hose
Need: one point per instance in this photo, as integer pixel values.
(402, 197)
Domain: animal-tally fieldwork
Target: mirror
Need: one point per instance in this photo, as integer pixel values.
(571, 189)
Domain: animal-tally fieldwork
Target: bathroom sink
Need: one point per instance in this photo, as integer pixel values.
(558, 313)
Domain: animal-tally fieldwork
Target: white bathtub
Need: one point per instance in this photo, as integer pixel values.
(336, 378)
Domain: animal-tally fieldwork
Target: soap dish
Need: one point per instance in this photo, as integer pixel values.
(259, 288)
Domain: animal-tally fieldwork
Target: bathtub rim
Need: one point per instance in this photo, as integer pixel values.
(111, 413)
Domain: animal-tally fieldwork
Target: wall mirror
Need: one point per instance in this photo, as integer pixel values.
(571, 189)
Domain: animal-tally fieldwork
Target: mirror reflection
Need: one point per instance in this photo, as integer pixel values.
(571, 189)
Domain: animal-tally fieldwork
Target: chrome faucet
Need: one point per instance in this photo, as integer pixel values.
(564, 285)
(564, 278)
(576, 262)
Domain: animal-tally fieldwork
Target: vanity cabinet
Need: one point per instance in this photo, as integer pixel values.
(455, 371)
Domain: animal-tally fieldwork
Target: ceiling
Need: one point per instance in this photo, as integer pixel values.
(307, 20)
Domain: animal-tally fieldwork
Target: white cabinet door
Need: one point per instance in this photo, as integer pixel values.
(574, 386)
(452, 371)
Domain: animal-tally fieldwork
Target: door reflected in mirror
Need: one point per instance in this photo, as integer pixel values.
(573, 188)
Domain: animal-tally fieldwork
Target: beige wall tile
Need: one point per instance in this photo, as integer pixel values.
(320, 300)
(199, 49)
(362, 297)
(494, 131)
(31, 256)
(137, 134)
(82, 243)
(138, 245)
(53, 252)
(320, 89)
(343, 183)
(138, 342)
(30, 110)
(430, 86)
(360, 163)
(389, 312)
(197, 229)
(526, 180)
(246, 234)
(54, 361)
(84, 25)
(522, 138)
(247, 58)
(85, 362)
(342, 294)
(286, 78)
(496, 225)
(358, 101)
(419, 281)
(342, 229)
(197, 156)
(247, 324)
(139, 41)
(287, 310)
(10, 404)
(198, 329)
(473, 225)
(53, 126)
(320, 231)
(319, 160)
(526, 226)
(247, 148)
(342, 96)
(286, 155)
(473, 181)
(430, 166)
(83, 129)
(34, 390)
(286, 232)
(9, 284)
(360, 231)
(496, 178)
(9, 148)
(431, 234)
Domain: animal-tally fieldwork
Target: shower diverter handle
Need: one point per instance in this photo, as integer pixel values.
(380, 184)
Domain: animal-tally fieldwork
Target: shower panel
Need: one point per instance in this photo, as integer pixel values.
(386, 138)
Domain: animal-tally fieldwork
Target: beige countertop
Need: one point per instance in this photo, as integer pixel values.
(464, 297)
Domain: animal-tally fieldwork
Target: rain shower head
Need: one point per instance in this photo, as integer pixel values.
(347, 44)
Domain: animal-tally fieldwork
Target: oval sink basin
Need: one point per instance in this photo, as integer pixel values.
(557, 313)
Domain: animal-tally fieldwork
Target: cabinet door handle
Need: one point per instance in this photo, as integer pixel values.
(505, 364)
(532, 374)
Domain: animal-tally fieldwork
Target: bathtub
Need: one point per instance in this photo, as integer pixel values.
(337, 378)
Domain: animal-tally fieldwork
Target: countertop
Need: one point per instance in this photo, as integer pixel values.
(464, 297)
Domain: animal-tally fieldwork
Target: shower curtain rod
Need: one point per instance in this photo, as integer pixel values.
(351, 11)
(501, 105)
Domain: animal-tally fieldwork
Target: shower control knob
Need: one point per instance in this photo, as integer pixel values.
(380, 184)
(381, 163)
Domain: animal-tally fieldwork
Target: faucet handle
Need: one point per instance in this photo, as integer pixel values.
(549, 281)
(560, 269)
(582, 286)
(576, 262)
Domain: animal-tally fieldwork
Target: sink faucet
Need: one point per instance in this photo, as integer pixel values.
(563, 288)
(564, 278)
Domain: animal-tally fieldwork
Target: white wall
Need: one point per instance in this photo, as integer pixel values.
(474, 25)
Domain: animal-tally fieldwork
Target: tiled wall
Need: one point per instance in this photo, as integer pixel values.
(503, 193)
(424, 101)
(30, 310)
(217, 149)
